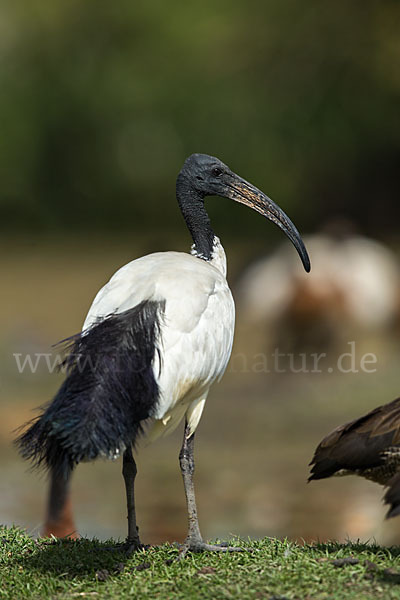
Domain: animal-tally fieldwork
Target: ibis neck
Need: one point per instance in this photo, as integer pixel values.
(218, 256)
(196, 218)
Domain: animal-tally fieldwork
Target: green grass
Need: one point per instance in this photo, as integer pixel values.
(269, 568)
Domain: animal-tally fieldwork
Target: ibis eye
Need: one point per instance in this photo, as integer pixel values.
(217, 172)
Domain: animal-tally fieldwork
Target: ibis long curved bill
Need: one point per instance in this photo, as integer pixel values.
(242, 191)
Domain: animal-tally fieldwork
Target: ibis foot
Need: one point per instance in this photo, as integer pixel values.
(131, 546)
(128, 547)
(200, 546)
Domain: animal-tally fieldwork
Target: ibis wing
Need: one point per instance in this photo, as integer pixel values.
(196, 329)
(392, 496)
(358, 444)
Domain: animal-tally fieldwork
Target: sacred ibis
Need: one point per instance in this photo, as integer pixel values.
(156, 337)
(369, 447)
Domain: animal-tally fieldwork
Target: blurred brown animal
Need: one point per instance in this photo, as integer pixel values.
(354, 289)
(59, 518)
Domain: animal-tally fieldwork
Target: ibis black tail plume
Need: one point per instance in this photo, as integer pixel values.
(109, 391)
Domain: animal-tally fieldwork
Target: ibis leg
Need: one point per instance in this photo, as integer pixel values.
(194, 542)
(129, 471)
(186, 460)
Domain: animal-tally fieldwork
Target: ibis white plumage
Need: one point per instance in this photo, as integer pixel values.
(156, 337)
(196, 331)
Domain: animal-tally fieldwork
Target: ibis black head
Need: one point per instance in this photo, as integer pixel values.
(203, 175)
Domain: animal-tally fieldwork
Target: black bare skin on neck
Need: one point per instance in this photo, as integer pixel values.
(191, 203)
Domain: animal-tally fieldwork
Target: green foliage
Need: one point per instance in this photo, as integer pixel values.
(267, 568)
(101, 103)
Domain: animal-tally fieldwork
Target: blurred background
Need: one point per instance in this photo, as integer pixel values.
(100, 104)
